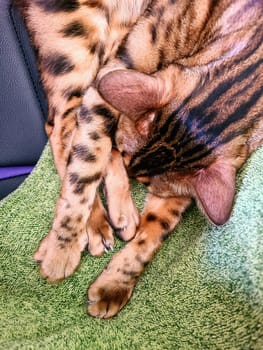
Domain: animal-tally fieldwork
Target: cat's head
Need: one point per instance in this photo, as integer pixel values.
(143, 99)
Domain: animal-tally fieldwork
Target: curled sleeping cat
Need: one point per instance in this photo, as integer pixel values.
(186, 90)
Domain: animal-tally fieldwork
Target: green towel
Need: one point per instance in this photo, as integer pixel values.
(203, 290)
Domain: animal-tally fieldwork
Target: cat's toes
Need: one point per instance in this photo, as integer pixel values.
(40, 253)
(106, 299)
(58, 258)
(100, 237)
(57, 267)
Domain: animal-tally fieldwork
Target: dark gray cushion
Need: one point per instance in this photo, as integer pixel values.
(23, 107)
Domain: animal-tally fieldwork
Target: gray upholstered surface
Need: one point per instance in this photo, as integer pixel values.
(22, 102)
(22, 106)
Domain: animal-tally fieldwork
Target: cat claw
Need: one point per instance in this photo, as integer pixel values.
(100, 236)
(107, 246)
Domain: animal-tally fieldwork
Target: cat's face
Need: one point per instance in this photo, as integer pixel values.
(130, 138)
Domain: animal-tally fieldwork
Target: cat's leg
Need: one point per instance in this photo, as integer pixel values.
(60, 136)
(64, 92)
(113, 288)
(68, 61)
(122, 211)
(60, 251)
(60, 128)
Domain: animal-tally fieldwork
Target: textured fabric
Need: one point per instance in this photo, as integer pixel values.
(22, 111)
(203, 290)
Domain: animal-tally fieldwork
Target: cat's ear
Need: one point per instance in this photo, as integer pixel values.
(131, 92)
(214, 190)
(135, 94)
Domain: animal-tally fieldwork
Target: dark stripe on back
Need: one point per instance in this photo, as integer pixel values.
(57, 64)
(240, 112)
(153, 162)
(214, 132)
(192, 151)
(242, 130)
(218, 91)
(74, 29)
(195, 158)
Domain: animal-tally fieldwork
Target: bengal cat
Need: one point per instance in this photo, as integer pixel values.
(188, 82)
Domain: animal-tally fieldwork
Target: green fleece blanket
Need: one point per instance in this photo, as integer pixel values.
(204, 289)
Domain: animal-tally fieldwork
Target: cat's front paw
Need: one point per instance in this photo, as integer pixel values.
(122, 211)
(124, 216)
(58, 257)
(106, 298)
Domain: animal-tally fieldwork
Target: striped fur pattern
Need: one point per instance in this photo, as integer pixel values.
(186, 88)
